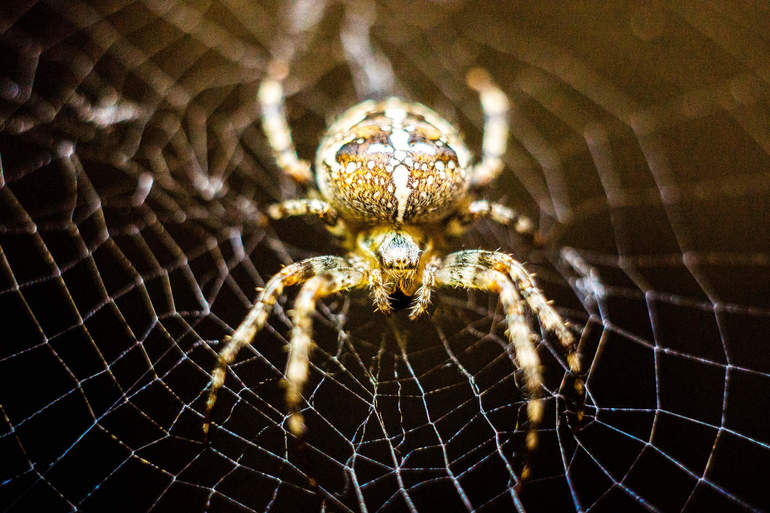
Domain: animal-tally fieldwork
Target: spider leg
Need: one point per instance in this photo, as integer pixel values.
(465, 269)
(500, 273)
(525, 282)
(276, 126)
(380, 291)
(422, 296)
(494, 103)
(304, 207)
(258, 314)
(337, 279)
(470, 212)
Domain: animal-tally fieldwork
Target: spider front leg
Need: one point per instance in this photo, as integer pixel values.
(276, 127)
(466, 269)
(334, 280)
(257, 316)
(500, 273)
(525, 283)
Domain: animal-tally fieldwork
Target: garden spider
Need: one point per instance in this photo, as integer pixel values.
(395, 178)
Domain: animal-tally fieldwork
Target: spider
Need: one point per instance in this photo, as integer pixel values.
(395, 180)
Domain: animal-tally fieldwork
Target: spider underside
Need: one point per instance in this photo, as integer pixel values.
(394, 180)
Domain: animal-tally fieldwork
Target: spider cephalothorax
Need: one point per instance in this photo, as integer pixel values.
(396, 180)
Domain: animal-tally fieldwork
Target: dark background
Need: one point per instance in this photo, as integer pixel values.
(131, 241)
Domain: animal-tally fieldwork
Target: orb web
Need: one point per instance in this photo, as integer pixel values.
(133, 180)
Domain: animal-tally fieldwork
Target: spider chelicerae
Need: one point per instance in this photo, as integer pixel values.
(395, 180)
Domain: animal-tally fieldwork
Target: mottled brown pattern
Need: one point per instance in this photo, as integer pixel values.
(355, 169)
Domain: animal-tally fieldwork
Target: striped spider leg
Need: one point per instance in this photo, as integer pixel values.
(320, 276)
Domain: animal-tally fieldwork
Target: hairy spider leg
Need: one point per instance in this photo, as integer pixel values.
(534, 297)
(334, 280)
(495, 105)
(277, 130)
(304, 207)
(428, 281)
(501, 274)
(290, 275)
(470, 212)
(463, 269)
(311, 207)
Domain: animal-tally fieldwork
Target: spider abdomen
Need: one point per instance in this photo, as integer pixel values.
(392, 161)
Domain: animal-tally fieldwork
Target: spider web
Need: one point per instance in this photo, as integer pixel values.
(131, 242)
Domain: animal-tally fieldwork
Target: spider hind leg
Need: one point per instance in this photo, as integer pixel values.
(276, 126)
(495, 105)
